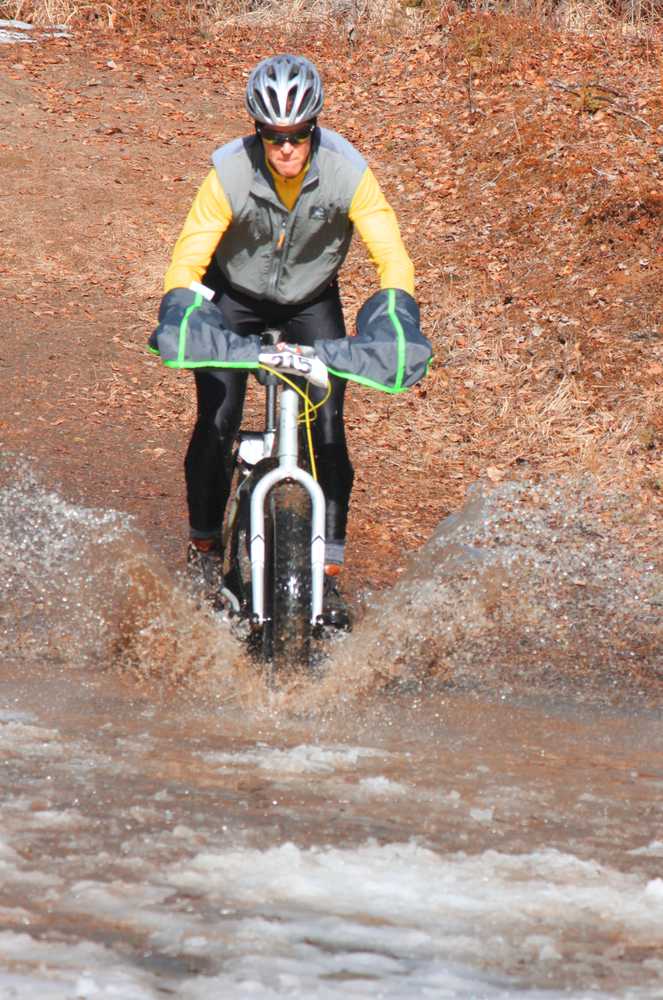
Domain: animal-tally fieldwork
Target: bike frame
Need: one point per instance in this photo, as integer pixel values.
(287, 469)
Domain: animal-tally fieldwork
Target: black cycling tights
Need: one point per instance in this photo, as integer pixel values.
(221, 394)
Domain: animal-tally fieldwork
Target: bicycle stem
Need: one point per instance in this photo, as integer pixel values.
(270, 414)
(288, 452)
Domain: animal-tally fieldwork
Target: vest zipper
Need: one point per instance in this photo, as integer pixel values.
(279, 251)
(284, 238)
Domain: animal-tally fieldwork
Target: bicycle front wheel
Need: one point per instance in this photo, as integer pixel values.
(287, 627)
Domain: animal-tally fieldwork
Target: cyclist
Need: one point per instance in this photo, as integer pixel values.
(268, 232)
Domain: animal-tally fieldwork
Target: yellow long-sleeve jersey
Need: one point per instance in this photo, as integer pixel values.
(211, 216)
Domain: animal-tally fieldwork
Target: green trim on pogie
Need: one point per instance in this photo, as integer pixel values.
(362, 380)
(184, 325)
(400, 340)
(212, 364)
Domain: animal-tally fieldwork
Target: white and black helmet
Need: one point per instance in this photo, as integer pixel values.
(284, 90)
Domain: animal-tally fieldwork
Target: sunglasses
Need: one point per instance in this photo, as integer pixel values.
(280, 138)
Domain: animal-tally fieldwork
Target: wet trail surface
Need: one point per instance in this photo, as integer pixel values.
(466, 802)
(437, 847)
(169, 826)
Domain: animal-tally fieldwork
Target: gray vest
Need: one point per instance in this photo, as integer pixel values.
(270, 253)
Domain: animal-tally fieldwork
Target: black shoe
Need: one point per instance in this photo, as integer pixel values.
(335, 613)
(205, 571)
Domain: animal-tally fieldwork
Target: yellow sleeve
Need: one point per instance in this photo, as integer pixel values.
(209, 217)
(376, 223)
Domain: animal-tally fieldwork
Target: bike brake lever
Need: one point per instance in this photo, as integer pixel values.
(302, 349)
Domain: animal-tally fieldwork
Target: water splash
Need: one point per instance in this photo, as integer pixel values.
(81, 587)
(528, 585)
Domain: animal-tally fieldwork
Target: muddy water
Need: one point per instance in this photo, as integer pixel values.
(170, 827)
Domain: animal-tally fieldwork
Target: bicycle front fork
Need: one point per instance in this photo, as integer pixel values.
(288, 469)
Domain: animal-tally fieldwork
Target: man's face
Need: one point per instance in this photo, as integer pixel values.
(287, 159)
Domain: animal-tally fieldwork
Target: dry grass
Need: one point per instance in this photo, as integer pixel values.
(336, 16)
(510, 401)
(347, 17)
(56, 12)
(537, 282)
(209, 16)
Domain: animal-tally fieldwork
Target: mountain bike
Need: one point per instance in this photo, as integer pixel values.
(274, 528)
(273, 533)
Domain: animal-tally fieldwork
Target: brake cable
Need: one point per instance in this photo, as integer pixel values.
(309, 414)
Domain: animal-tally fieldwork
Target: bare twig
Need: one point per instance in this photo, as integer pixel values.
(520, 141)
(628, 114)
(608, 90)
(470, 100)
(509, 163)
(563, 86)
(606, 104)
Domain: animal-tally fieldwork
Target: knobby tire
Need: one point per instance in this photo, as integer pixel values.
(237, 566)
(287, 629)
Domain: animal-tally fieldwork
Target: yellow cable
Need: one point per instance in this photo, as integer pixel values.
(275, 371)
(316, 406)
(308, 423)
(310, 413)
(309, 409)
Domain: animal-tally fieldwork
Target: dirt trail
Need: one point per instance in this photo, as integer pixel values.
(84, 196)
(96, 183)
(104, 141)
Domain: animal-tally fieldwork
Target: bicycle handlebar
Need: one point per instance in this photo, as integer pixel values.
(296, 362)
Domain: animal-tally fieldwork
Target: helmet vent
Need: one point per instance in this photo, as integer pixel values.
(284, 90)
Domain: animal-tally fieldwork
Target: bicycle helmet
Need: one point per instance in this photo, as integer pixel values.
(284, 90)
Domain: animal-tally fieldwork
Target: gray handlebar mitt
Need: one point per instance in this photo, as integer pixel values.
(192, 334)
(389, 351)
